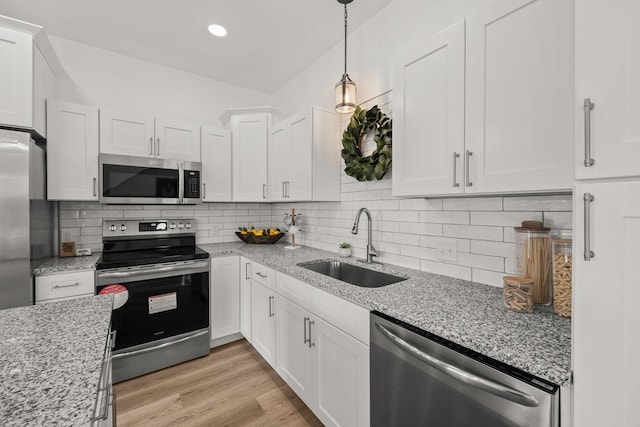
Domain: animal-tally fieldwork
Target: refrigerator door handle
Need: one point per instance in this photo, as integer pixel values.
(485, 384)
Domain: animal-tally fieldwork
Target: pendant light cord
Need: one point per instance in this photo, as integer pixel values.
(345, 39)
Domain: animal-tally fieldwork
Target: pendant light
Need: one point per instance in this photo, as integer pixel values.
(345, 88)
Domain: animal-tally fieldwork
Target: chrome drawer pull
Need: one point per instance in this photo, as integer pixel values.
(264, 276)
(271, 313)
(588, 106)
(468, 155)
(70, 285)
(456, 156)
(588, 253)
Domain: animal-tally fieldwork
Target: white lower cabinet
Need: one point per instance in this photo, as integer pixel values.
(326, 367)
(263, 321)
(225, 296)
(245, 298)
(63, 286)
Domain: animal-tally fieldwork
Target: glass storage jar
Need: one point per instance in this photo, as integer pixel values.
(533, 258)
(562, 270)
(518, 293)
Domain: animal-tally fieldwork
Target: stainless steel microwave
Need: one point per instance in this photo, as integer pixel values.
(141, 180)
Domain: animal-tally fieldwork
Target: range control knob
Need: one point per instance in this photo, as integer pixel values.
(187, 225)
(180, 225)
(172, 225)
(123, 227)
(113, 227)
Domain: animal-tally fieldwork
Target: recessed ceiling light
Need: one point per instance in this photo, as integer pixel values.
(217, 30)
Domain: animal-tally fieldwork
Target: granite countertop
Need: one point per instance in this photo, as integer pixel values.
(50, 361)
(61, 265)
(469, 314)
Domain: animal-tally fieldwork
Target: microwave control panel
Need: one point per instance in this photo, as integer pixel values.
(192, 184)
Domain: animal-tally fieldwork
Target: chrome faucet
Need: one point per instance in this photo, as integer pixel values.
(371, 251)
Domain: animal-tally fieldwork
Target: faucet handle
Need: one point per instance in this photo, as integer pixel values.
(372, 251)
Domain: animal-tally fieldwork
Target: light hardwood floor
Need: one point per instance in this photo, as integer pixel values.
(233, 386)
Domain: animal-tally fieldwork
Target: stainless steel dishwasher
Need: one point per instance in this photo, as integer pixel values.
(420, 379)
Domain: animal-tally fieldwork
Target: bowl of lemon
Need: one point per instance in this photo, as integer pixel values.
(253, 235)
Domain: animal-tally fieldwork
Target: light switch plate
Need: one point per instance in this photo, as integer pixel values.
(447, 250)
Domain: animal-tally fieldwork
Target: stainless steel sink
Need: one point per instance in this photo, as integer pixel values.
(353, 274)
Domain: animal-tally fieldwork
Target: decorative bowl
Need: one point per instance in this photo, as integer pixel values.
(257, 240)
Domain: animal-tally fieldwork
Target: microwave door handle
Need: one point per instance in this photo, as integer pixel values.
(181, 183)
(485, 384)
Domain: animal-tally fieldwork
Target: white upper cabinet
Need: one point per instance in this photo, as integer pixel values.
(27, 75)
(143, 136)
(304, 157)
(519, 81)
(489, 111)
(72, 151)
(249, 134)
(216, 164)
(428, 109)
(607, 60)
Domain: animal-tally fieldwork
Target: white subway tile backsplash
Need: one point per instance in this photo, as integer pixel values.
(418, 252)
(473, 232)
(492, 263)
(492, 278)
(401, 238)
(562, 220)
(485, 247)
(445, 217)
(445, 269)
(538, 203)
(473, 204)
(421, 228)
(507, 219)
(421, 204)
(401, 216)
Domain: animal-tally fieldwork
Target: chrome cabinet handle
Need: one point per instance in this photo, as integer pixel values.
(468, 154)
(264, 276)
(246, 271)
(264, 191)
(311, 344)
(157, 147)
(588, 106)
(306, 319)
(288, 189)
(459, 374)
(95, 186)
(70, 285)
(456, 156)
(588, 253)
(284, 194)
(151, 146)
(271, 298)
(204, 190)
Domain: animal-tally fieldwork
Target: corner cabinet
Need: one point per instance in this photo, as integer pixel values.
(27, 75)
(142, 135)
(607, 61)
(250, 133)
(304, 157)
(225, 296)
(216, 165)
(517, 110)
(72, 151)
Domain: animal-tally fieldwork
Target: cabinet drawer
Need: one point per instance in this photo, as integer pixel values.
(344, 315)
(294, 290)
(264, 275)
(65, 285)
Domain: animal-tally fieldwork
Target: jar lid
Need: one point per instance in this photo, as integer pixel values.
(517, 280)
(532, 226)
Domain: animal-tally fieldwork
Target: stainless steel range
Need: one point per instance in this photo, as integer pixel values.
(160, 282)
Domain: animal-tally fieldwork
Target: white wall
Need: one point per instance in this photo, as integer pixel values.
(106, 79)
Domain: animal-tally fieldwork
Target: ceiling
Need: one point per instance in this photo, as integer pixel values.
(269, 41)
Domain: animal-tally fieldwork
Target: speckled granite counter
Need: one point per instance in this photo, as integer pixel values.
(61, 265)
(466, 313)
(50, 361)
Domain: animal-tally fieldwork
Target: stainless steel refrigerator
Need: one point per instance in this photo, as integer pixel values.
(26, 218)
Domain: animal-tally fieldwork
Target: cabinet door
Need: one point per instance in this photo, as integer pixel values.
(249, 139)
(428, 126)
(16, 78)
(263, 322)
(519, 101)
(298, 186)
(72, 151)
(294, 353)
(225, 296)
(606, 320)
(126, 133)
(177, 140)
(607, 61)
(341, 377)
(279, 156)
(216, 165)
(245, 298)
(44, 87)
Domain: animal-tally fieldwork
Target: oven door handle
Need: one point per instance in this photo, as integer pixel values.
(158, 347)
(485, 384)
(121, 274)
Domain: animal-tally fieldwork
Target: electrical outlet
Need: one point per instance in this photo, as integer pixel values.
(447, 250)
(215, 229)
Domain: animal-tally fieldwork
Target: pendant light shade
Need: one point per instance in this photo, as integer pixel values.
(345, 88)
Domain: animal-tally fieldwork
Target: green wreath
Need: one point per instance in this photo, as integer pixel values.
(377, 164)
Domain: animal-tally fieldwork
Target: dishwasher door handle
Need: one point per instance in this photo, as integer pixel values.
(487, 385)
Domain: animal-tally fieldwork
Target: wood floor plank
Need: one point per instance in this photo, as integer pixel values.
(232, 386)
